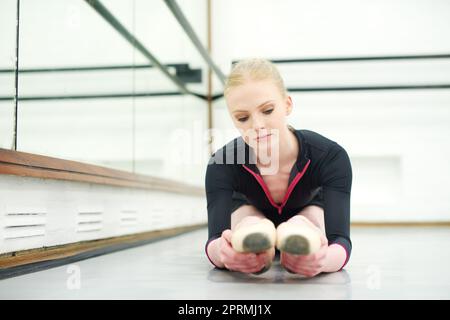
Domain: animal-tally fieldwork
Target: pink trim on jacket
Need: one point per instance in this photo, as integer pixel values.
(289, 190)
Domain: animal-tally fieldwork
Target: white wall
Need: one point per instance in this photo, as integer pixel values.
(300, 28)
(54, 212)
(135, 135)
(398, 141)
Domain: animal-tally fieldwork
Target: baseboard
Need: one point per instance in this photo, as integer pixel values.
(33, 256)
(402, 224)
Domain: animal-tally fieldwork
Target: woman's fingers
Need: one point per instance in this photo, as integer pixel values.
(303, 263)
(306, 271)
(240, 257)
(311, 258)
(323, 239)
(316, 263)
(319, 255)
(264, 256)
(228, 250)
(239, 261)
(244, 267)
(226, 234)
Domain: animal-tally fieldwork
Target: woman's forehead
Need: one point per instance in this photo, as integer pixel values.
(251, 95)
(256, 106)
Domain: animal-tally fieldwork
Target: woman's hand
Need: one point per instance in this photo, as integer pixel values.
(243, 262)
(307, 265)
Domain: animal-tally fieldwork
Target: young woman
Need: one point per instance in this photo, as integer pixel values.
(275, 189)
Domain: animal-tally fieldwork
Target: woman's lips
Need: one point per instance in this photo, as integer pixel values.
(262, 137)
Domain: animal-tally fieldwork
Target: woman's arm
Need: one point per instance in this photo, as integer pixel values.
(219, 186)
(335, 177)
(335, 254)
(219, 190)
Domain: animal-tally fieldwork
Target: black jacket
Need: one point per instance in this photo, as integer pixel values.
(321, 176)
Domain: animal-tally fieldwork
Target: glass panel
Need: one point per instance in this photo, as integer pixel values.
(8, 13)
(58, 118)
(100, 109)
(170, 138)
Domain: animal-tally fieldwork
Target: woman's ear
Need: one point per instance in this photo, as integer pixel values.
(289, 105)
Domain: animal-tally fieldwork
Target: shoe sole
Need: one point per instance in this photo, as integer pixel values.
(256, 242)
(296, 244)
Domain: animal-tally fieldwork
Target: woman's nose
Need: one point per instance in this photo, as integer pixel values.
(258, 124)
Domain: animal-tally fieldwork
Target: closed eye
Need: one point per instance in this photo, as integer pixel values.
(243, 119)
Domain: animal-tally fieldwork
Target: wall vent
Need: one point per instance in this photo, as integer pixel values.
(24, 224)
(128, 218)
(89, 221)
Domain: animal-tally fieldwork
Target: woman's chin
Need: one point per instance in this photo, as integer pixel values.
(263, 147)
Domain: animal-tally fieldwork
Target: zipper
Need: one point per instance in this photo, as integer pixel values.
(288, 192)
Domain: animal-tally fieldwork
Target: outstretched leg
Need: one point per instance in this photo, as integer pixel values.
(315, 214)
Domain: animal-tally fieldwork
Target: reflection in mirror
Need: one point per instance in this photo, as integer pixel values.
(90, 92)
(8, 15)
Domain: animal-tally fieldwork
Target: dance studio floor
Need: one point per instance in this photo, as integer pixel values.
(386, 263)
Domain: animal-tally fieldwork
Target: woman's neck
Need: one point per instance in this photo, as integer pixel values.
(289, 149)
(287, 154)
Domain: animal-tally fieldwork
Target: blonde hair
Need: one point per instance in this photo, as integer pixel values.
(254, 69)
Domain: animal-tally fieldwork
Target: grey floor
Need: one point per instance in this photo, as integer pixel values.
(386, 263)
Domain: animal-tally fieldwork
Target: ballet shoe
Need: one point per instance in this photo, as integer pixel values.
(255, 238)
(298, 238)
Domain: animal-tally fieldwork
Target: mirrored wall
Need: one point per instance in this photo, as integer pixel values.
(113, 83)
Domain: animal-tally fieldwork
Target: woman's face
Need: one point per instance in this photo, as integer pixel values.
(258, 110)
